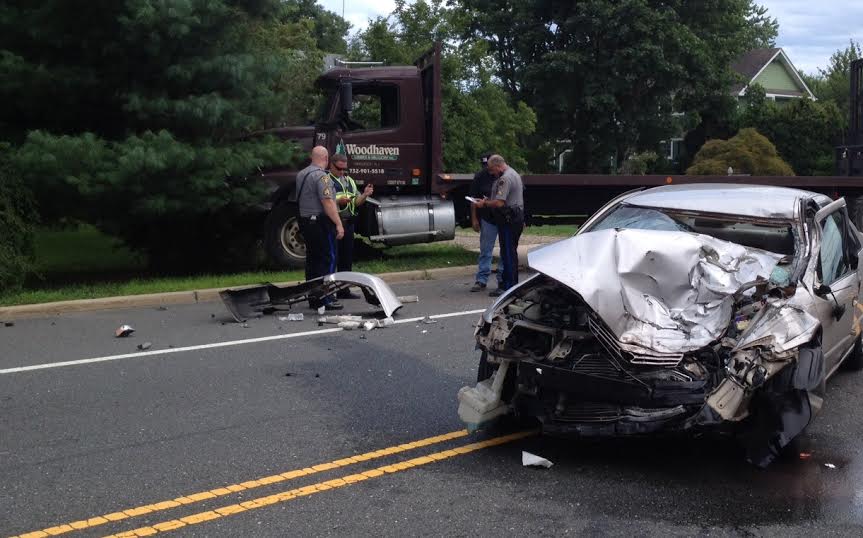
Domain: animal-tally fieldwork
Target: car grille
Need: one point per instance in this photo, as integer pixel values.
(612, 346)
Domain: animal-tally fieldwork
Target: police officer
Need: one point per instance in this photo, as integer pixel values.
(507, 205)
(319, 221)
(348, 199)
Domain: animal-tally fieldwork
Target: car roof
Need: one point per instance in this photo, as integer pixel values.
(729, 198)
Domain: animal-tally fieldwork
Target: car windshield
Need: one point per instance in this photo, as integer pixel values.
(774, 237)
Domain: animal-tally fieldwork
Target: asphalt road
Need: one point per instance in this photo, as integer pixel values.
(239, 439)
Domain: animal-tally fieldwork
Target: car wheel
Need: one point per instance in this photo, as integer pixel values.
(854, 361)
(283, 241)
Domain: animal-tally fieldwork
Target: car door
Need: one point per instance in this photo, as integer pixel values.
(838, 281)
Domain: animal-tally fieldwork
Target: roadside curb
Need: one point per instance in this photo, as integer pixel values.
(8, 313)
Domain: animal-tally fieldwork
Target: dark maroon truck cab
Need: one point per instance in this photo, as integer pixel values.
(387, 121)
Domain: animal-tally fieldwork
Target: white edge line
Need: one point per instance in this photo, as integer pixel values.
(155, 352)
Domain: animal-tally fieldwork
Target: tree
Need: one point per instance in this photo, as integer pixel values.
(805, 132)
(17, 217)
(748, 152)
(833, 84)
(478, 115)
(607, 74)
(133, 120)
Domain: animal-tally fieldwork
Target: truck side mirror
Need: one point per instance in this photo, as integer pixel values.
(823, 290)
(346, 95)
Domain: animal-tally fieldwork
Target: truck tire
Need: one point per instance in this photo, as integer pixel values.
(855, 211)
(283, 241)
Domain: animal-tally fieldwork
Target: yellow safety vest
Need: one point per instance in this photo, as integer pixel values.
(348, 190)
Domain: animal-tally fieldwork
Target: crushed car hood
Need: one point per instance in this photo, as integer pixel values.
(657, 291)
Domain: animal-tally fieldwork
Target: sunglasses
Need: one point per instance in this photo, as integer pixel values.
(340, 168)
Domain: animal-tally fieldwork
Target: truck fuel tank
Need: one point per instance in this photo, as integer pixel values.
(413, 219)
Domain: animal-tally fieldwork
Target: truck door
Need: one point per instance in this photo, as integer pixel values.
(383, 142)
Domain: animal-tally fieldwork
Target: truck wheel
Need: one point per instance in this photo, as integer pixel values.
(283, 241)
(855, 211)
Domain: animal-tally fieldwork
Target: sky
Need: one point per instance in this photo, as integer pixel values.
(809, 30)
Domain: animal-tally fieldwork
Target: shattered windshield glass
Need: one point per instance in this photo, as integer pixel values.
(775, 237)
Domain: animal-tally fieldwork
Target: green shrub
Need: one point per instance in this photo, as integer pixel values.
(748, 152)
(17, 217)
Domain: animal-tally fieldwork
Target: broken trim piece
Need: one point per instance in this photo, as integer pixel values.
(256, 301)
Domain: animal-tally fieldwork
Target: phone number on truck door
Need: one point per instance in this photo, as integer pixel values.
(366, 170)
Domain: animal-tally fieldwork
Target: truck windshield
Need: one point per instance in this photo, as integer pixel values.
(774, 237)
(325, 99)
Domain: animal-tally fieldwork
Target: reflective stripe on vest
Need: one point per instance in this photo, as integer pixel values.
(349, 191)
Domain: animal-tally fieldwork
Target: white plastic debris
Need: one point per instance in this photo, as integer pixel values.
(321, 311)
(386, 322)
(349, 325)
(369, 325)
(829, 466)
(428, 320)
(424, 332)
(292, 317)
(123, 331)
(145, 346)
(339, 319)
(532, 460)
(409, 298)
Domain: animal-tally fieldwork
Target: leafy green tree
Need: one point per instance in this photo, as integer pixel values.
(805, 132)
(17, 217)
(607, 74)
(748, 152)
(478, 115)
(132, 120)
(834, 83)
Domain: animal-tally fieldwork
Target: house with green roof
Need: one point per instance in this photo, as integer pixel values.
(772, 70)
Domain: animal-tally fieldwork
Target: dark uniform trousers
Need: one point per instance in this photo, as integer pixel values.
(510, 224)
(346, 246)
(320, 235)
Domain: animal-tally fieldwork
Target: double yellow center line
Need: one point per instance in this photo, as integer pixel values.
(283, 496)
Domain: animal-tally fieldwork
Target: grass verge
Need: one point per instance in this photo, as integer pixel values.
(71, 266)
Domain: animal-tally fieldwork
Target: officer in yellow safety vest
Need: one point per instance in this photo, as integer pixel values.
(348, 199)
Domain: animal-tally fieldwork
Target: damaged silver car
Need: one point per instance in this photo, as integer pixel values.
(707, 307)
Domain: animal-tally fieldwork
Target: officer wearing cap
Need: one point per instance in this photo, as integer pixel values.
(483, 222)
(319, 221)
(348, 199)
(507, 205)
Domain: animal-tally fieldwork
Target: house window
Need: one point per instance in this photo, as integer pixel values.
(671, 149)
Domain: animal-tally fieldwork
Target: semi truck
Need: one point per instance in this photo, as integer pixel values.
(387, 120)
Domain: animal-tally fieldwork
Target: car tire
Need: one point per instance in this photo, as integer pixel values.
(283, 241)
(854, 361)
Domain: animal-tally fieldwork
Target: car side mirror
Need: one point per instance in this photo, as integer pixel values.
(823, 290)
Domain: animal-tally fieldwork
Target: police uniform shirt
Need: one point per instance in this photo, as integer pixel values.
(509, 189)
(313, 185)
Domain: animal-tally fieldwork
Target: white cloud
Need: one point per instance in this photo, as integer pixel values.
(811, 31)
(358, 12)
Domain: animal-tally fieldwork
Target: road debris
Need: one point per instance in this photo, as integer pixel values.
(162, 308)
(428, 320)
(335, 320)
(829, 465)
(145, 346)
(805, 455)
(409, 298)
(424, 331)
(123, 331)
(292, 317)
(369, 325)
(9, 323)
(532, 460)
(349, 325)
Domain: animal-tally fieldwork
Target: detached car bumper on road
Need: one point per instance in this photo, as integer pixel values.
(681, 308)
